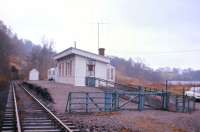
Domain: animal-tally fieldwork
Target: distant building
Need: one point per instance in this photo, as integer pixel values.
(52, 74)
(77, 67)
(34, 74)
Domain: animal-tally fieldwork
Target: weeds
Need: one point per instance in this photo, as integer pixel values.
(42, 92)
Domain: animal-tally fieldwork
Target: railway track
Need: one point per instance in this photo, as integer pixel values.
(25, 113)
(9, 122)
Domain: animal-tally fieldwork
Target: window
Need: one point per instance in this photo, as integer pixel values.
(90, 67)
(59, 69)
(91, 70)
(68, 68)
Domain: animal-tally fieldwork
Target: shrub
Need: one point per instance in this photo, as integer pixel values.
(42, 92)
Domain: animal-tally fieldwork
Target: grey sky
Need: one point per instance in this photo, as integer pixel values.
(152, 30)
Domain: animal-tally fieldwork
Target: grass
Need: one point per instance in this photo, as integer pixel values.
(174, 89)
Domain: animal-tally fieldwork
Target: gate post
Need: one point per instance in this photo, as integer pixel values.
(70, 101)
(115, 101)
(86, 103)
(141, 99)
(108, 101)
(165, 100)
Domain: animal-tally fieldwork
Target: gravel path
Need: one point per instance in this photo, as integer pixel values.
(60, 92)
(125, 121)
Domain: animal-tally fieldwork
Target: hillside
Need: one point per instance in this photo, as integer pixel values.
(140, 71)
(18, 56)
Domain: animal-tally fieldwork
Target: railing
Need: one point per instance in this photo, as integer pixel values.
(99, 82)
(16, 109)
(115, 100)
(169, 99)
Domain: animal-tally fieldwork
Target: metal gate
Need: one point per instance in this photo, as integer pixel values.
(91, 102)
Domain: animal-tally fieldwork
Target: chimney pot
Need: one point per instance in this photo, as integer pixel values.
(102, 51)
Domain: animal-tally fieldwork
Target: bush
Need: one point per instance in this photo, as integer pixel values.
(42, 92)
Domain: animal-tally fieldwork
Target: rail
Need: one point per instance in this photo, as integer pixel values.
(16, 109)
(125, 86)
(53, 116)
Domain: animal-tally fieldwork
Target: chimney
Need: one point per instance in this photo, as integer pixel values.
(102, 51)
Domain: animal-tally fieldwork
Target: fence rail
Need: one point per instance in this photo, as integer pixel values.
(90, 102)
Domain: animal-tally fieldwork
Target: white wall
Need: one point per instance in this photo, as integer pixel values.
(100, 70)
(109, 68)
(33, 75)
(66, 78)
(80, 70)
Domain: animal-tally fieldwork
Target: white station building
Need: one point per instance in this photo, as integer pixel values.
(34, 75)
(75, 66)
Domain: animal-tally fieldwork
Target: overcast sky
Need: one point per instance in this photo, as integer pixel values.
(159, 32)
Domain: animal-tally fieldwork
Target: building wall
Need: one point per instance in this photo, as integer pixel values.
(80, 70)
(101, 72)
(33, 75)
(110, 73)
(64, 77)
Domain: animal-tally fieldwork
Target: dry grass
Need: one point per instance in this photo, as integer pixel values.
(175, 89)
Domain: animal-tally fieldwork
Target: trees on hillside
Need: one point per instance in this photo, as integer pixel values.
(23, 55)
(41, 58)
(139, 70)
(5, 44)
